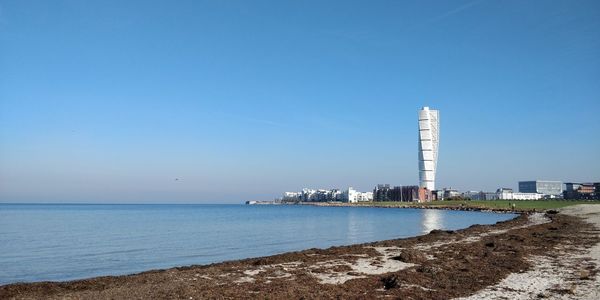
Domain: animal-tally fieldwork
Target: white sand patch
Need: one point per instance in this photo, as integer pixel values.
(244, 279)
(279, 274)
(329, 264)
(536, 219)
(331, 276)
(383, 264)
(249, 275)
(547, 276)
(334, 277)
(289, 264)
(356, 255)
(362, 267)
(253, 272)
(429, 246)
(527, 285)
(203, 276)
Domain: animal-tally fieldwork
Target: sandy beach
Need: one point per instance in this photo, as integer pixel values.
(552, 255)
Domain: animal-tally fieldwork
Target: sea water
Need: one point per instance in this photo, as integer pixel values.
(55, 242)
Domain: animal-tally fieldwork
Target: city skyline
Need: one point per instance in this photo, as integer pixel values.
(223, 102)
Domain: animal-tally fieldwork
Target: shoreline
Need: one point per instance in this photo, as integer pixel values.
(417, 206)
(441, 264)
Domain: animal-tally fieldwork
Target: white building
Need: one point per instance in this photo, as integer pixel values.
(324, 195)
(429, 133)
(505, 194)
(351, 195)
(527, 196)
(365, 197)
(508, 194)
(292, 196)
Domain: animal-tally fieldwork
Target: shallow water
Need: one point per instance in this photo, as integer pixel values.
(41, 242)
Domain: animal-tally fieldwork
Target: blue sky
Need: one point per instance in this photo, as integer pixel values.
(111, 101)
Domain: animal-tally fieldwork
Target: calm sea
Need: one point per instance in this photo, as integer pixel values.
(64, 242)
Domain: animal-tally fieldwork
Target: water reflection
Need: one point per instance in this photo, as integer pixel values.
(354, 227)
(431, 219)
(360, 227)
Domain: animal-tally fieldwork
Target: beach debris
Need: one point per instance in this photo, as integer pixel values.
(411, 256)
(584, 274)
(389, 282)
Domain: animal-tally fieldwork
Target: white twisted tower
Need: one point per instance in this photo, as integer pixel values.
(429, 135)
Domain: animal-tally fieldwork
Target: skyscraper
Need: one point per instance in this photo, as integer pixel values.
(429, 134)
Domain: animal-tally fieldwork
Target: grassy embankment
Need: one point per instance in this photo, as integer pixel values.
(491, 204)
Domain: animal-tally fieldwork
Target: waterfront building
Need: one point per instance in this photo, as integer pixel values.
(324, 195)
(381, 193)
(545, 187)
(508, 194)
(505, 193)
(429, 125)
(527, 196)
(479, 196)
(365, 197)
(291, 197)
(450, 193)
(490, 196)
(424, 195)
(473, 195)
(587, 191)
(502, 194)
(411, 193)
(353, 196)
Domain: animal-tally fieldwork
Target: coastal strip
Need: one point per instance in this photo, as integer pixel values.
(552, 254)
(426, 205)
(498, 206)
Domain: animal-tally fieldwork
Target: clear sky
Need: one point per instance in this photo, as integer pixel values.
(227, 101)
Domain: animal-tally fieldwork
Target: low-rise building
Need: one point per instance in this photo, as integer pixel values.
(450, 193)
(490, 196)
(384, 193)
(505, 193)
(508, 194)
(291, 197)
(527, 196)
(544, 187)
(502, 194)
(424, 195)
(582, 191)
(472, 195)
(324, 195)
(352, 196)
(411, 193)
